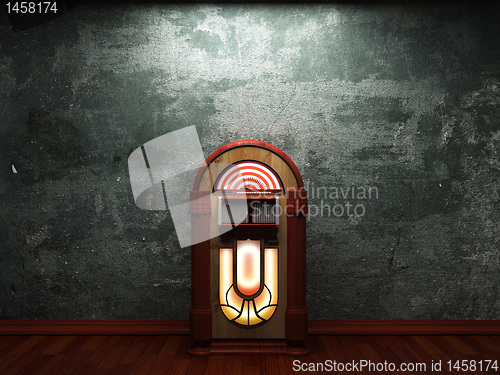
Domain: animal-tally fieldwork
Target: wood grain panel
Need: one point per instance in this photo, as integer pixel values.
(11, 329)
(153, 354)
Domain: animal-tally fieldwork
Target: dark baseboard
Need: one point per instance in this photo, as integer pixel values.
(315, 327)
(94, 327)
(404, 327)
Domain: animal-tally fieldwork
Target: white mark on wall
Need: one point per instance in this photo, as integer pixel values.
(37, 238)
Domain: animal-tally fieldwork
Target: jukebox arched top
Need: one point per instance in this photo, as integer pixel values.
(248, 151)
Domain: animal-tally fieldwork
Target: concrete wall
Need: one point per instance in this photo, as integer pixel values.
(402, 99)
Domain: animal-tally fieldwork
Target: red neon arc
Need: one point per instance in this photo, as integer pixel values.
(247, 175)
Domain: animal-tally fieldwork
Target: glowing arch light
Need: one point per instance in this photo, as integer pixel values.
(238, 302)
(248, 175)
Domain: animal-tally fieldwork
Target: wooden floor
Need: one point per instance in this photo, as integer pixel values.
(168, 355)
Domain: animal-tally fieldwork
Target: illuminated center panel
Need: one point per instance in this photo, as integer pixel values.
(248, 296)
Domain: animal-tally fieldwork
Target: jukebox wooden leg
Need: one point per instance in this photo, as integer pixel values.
(201, 329)
(200, 316)
(200, 312)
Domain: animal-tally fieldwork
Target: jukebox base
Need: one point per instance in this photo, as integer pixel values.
(248, 347)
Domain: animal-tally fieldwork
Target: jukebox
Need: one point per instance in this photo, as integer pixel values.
(248, 277)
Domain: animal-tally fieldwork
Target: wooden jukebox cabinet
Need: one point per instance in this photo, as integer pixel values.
(248, 277)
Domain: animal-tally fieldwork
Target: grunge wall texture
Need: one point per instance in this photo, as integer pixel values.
(404, 98)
